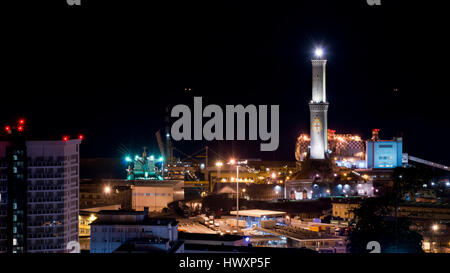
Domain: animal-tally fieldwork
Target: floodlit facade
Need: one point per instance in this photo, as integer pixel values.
(156, 195)
(318, 108)
(382, 154)
(347, 150)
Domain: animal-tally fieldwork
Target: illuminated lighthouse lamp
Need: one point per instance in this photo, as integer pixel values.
(318, 52)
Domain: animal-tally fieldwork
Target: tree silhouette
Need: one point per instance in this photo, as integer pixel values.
(311, 167)
(377, 218)
(374, 222)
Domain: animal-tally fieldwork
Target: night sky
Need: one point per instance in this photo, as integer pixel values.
(108, 69)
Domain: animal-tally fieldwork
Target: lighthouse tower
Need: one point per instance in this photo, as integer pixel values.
(318, 108)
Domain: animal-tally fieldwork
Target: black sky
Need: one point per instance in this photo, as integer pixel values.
(108, 69)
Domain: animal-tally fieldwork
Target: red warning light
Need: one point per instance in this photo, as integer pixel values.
(65, 138)
(21, 121)
(80, 137)
(20, 128)
(7, 128)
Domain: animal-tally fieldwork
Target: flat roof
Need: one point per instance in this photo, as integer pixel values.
(258, 213)
(209, 236)
(143, 222)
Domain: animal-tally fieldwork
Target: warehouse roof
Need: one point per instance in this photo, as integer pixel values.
(258, 213)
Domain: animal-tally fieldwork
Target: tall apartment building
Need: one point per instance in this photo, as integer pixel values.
(39, 189)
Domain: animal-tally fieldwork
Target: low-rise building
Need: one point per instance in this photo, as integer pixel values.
(156, 195)
(114, 228)
(131, 194)
(254, 217)
(343, 209)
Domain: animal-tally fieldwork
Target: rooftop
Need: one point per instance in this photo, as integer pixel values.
(131, 217)
(142, 245)
(258, 213)
(209, 236)
(145, 222)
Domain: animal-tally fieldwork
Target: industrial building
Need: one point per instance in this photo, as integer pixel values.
(347, 150)
(131, 194)
(156, 195)
(383, 153)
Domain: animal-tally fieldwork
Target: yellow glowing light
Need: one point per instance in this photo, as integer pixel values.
(107, 189)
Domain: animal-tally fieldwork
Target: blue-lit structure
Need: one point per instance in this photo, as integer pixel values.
(143, 167)
(384, 154)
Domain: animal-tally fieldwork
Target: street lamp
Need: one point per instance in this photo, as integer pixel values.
(219, 164)
(232, 162)
(161, 159)
(107, 190)
(436, 240)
